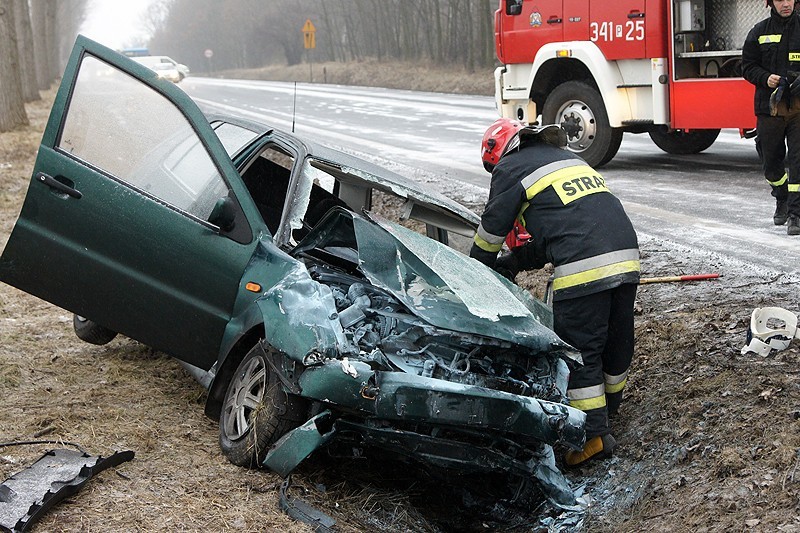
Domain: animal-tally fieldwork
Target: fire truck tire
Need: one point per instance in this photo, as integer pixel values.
(579, 109)
(683, 142)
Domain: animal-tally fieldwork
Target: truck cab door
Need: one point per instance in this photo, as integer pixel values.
(121, 222)
(618, 28)
(526, 25)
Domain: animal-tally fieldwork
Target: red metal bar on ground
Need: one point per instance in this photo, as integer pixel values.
(689, 277)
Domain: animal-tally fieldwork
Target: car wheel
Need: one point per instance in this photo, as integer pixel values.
(90, 332)
(257, 411)
(684, 142)
(579, 109)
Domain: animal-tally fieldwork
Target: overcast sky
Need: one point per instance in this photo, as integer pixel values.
(116, 23)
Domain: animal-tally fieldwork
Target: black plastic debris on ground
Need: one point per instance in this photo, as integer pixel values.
(58, 474)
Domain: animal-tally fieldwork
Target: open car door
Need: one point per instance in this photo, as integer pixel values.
(121, 222)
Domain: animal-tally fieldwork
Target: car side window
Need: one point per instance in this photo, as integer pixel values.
(267, 179)
(130, 131)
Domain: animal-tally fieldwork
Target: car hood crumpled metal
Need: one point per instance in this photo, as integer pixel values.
(450, 290)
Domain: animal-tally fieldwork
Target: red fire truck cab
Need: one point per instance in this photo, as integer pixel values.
(669, 68)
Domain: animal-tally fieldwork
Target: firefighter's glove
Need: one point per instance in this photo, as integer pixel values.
(777, 96)
(794, 86)
(507, 265)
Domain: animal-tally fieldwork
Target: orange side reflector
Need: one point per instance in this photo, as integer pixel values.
(253, 287)
(563, 53)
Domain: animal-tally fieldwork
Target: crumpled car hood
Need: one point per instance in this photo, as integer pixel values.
(448, 289)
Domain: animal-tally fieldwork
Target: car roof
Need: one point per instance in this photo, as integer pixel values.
(357, 168)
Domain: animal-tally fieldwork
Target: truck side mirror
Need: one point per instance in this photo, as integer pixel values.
(513, 7)
(223, 214)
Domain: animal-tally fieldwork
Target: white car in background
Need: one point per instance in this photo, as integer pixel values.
(165, 67)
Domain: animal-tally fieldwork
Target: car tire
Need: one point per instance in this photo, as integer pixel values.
(256, 410)
(578, 108)
(683, 142)
(91, 332)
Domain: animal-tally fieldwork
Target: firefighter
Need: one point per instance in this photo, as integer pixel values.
(576, 224)
(771, 62)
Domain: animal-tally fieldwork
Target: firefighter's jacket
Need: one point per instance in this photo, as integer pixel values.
(771, 47)
(574, 221)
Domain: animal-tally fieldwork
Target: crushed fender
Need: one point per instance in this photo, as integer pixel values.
(58, 474)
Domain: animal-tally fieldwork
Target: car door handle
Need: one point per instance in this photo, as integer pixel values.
(554, 21)
(636, 15)
(59, 186)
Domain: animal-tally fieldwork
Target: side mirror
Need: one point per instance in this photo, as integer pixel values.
(514, 7)
(223, 214)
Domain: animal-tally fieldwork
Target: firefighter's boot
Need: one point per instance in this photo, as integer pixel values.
(794, 225)
(781, 211)
(595, 448)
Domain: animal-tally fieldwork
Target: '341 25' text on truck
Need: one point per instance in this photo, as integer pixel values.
(669, 68)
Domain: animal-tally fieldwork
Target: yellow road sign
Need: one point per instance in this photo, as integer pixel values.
(309, 35)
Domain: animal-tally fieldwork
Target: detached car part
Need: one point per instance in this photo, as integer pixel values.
(58, 474)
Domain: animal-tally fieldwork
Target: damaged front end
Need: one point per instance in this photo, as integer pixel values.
(438, 361)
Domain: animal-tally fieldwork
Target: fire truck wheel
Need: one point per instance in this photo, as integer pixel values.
(579, 109)
(683, 142)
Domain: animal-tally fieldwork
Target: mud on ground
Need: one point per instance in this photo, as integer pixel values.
(709, 439)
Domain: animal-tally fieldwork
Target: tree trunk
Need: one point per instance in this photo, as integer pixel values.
(41, 56)
(22, 26)
(12, 106)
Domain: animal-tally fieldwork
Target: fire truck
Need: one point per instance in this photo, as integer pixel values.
(668, 68)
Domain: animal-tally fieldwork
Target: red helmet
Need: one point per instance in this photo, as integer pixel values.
(496, 139)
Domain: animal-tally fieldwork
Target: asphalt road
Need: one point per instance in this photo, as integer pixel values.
(713, 208)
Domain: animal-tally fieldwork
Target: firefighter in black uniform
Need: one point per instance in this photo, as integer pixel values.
(576, 224)
(771, 62)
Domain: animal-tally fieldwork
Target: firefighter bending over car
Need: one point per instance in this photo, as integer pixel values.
(576, 224)
(771, 62)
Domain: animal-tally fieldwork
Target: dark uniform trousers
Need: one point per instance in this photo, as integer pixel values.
(773, 135)
(600, 326)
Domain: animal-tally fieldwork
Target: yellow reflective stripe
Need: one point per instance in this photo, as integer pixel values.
(780, 181)
(585, 398)
(794, 187)
(589, 404)
(489, 238)
(596, 261)
(794, 56)
(766, 39)
(531, 179)
(487, 246)
(595, 274)
(611, 388)
(570, 183)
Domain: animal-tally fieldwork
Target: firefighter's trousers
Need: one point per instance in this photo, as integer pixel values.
(600, 326)
(774, 134)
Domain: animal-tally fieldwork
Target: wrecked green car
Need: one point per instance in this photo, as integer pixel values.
(260, 260)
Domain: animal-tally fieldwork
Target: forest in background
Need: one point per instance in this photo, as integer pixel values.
(245, 34)
(252, 33)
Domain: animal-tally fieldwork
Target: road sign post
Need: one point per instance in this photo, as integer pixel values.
(209, 54)
(309, 42)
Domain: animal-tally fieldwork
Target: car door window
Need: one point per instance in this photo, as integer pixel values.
(131, 132)
(267, 179)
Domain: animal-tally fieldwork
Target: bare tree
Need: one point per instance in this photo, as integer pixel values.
(248, 32)
(22, 27)
(41, 44)
(12, 105)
